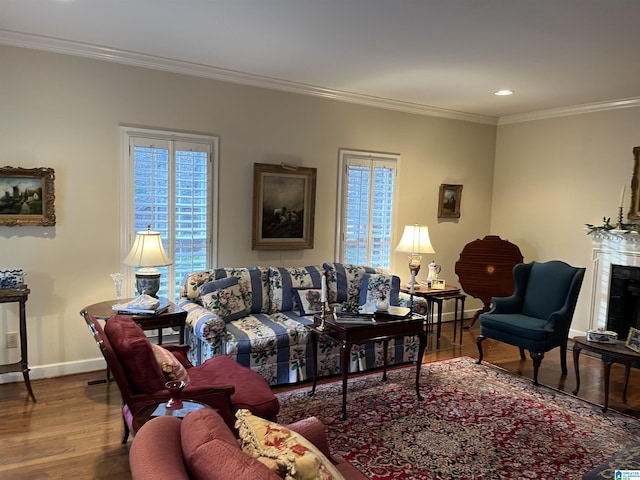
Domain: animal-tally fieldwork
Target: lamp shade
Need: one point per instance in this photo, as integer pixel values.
(415, 239)
(147, 251)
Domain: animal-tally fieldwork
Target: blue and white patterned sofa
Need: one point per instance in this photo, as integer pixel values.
(252, 315)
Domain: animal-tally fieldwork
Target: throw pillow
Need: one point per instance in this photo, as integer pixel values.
(190, 287)
(308, 300)
(292, 452)
(284, 280)
(169, 364)
(225, 299)
(377, 285)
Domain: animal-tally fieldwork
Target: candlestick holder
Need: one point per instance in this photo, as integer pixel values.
(323, 327)
(620, 226)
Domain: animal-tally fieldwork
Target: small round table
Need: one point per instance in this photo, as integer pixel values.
(145, 414)
(610, 353)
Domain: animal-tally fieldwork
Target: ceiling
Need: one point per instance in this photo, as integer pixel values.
(442, 57)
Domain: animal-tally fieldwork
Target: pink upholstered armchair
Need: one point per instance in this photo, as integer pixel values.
(220, 382)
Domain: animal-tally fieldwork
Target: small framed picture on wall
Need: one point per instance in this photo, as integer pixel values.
(449, 201)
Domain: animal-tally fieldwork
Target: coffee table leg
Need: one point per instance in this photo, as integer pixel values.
(576, 366)
(314, 359)
(385, 347)
(627, 371)
(346, 350)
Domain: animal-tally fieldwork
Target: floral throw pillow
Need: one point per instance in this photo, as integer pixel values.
(379, 286)
(308, 300)
(169, 364)
(292, 453)
(225, 300)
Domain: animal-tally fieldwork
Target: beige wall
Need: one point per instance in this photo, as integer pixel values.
(554, 176)
(64, 112)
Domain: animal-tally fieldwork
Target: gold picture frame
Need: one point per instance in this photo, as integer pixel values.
(27, 196)
(633, 340)
(449, 201)
(634, 208)
(283, 207)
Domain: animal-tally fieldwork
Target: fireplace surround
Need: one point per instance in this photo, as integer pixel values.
(615, 290)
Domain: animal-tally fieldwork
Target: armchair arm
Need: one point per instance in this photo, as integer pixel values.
(511, 304)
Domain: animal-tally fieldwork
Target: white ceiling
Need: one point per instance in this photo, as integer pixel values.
(434, 56)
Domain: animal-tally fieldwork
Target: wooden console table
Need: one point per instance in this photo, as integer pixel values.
(19, 295)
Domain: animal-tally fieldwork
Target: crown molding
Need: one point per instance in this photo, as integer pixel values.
(573, 110)
(36, 42)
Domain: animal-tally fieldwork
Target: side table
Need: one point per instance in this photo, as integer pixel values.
(610, 353)
(435, 297)
(19, 295)
(173, 317)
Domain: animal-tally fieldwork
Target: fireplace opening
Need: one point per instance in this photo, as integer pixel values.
(624, 300)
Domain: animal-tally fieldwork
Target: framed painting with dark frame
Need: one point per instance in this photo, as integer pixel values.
(283, 207)
(449, 201)
(633, 340)
(27, 196)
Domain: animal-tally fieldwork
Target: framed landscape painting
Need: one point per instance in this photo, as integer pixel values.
(449, 201)
(283, 207)
(27, 196)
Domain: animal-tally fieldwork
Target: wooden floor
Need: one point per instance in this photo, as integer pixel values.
(74, 430)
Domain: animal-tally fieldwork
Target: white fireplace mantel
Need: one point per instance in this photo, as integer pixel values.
(611, 247)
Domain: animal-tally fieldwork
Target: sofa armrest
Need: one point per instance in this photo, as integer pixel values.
(420, 305)
(207, 326)
(156, 451)
(313, 430)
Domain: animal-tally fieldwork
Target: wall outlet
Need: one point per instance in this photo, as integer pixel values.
(12, 339)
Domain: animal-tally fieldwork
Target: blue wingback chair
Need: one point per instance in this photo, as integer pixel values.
(538, 315)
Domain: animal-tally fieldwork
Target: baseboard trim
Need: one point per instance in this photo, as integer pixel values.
(56, 370)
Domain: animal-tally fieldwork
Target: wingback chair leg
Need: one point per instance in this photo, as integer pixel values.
(563, 358)
(479, 341)
(537, 360)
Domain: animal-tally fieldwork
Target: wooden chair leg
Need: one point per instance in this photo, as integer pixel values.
(563, 358)
(537, 360)
(125, 435)
(522, 355)
(479, 341)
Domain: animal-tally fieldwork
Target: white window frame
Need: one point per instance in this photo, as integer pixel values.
(345, 156)
(127, 229)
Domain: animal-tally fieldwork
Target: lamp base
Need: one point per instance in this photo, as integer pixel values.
(148, 283)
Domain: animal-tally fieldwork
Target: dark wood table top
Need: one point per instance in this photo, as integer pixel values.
(618, 350)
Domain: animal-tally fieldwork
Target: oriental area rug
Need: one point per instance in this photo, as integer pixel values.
(476, 422)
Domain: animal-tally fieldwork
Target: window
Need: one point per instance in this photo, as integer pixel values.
(169, 183)
(365, 217)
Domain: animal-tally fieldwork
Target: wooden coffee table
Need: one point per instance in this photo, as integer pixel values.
(348, 334)
(610, 353)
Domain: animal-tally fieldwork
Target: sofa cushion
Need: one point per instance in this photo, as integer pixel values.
(254, 286)
(376, 285)
(282, 281)
(343, 281)
(211, 450)
(134, 351)
(301, 459)
(308, 300)
(169, 364)
(224, 298)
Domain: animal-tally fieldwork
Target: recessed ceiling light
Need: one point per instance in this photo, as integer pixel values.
(501, 93)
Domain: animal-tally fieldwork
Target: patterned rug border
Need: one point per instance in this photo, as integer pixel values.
(393, 436)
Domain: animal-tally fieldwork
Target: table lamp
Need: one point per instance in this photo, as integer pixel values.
(415, 241)
(147, 252)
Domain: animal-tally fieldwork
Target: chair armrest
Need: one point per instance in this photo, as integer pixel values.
(313, 430)
(511, 304)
